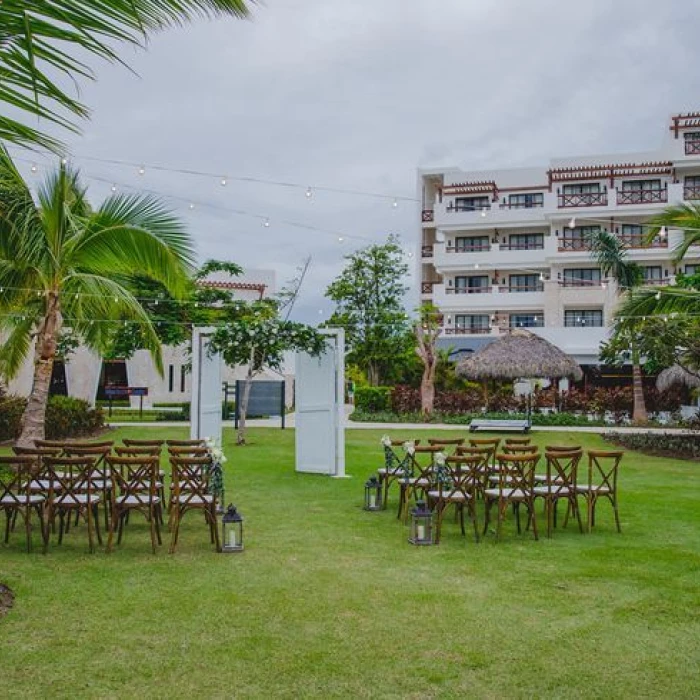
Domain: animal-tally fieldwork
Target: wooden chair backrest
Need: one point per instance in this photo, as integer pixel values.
(71, 476)
(128, 442)
(485, 442)
(446, 442)
(135, 477)
(465, 475)
(562, 470)
(399, 443)
(516, 471)
(518, 441)
(562, 448)
(137, 450)
(520, 449)
(190, 479)
(603, 466)
(192, 450)
(16, 473)
(50, 443)
(488, 452)
(98, 452)
(422, 461)
(37, 452)
(185, 443)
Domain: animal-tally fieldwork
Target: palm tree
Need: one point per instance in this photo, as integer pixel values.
(686, 217)
(39, 41)
(610, 254)
(64, 265)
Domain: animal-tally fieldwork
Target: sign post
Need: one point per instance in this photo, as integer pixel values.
(114, 392)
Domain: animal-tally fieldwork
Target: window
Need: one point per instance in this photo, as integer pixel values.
(633, 235)
(692, 180)
(582, 188)
(641, 185)
(171, 378)
(472, 244)
(692, 135)
(691, 188)
(588, 318)
(691, 269)
(576, 238)
(465, 285)
(652, 273)
(183, 374)
(526, 201)
(524, 283)
(582, 277)
(471, 203)
(472, 323)
(526, 320)
(526, 241)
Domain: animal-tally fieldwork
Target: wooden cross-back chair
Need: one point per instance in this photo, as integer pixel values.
(16, 498)
(192, 451)
(559, 484)
(515, 485)
(520, 449)
(185, 443)
(394, 461)
(492, 443)
(600, 482)
(447, 442)
(418, 477)
(73, 489)
(37, 452)
(190, 491)
(562, 448)
(98, 452)
(457, 483)
(137, 451)
(136, 488)
(517, 441)
(128, 442)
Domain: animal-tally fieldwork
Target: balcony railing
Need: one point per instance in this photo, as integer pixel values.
(521, 246)
(642, 196)
(479, 248)
(656, 282)
(691, 192)
(584, 199)
(457, 206)
(642, 242)
(515, 288)
(468, 330)
(427, 251)
(692, 148)
(529, 324)
(428, 215)
(588, 284)
(566, 244)
(468, 290)
(521, 205)
(427, 287)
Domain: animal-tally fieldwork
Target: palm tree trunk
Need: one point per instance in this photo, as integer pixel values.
(34, 417)
(639, 413)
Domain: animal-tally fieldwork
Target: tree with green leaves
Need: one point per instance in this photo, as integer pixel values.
(65, 264)
(611, 254)
(427, 329)
(254, 336)
(369, 298)
(41, 43)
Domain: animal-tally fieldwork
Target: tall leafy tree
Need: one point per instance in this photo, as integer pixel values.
(41, 40)
(63, 264)
(369, 298)
(255, 336)
(611, 254)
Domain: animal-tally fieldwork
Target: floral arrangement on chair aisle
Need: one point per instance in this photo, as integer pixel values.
(216, 472)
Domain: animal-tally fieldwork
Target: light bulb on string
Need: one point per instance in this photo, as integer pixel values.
(395, 203)
(191, 206)
(34, 168)
(113, 188)
(142, 170)
(663, 232)
(484, 211)
(223, 182)
(266, 223)
(309, 193)
(340, 239)
(64, 161)
(572, 223)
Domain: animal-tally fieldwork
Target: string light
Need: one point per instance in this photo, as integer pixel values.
(309, 193)
(484, 211)
(663, 232)
(142, 170)
(572, 223)
(340, 239)
(223, 182)
(266, 223)
(113, 188)
(190, 206)
(34, 168)
(395, 203)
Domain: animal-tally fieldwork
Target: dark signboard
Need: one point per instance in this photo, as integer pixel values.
(113, 392)
(266, 399)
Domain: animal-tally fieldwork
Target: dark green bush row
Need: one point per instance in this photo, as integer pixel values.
(65, 417)
(373, 398)
(682, 445)
(543, 419)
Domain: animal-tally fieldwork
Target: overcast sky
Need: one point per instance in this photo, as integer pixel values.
(357, 95)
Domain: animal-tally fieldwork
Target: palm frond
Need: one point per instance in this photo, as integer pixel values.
(17, 343)
(685, 217)
(611, 255)
(665, 301)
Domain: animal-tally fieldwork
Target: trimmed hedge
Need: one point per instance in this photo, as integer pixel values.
(373, 399)
(66, 417)
(681, 445)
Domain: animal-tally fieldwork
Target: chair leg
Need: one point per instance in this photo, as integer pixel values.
(8, 515)
(549, 507)
(440, 507)
(110, 536)
(471, 510)
(61, 525)
(617, 515)
(589, 505)
(216, 530)
(487, 517)
(97, 524)
(28, 527)
(531, 506)
(174, 527)
(153, 524)
(89, 515)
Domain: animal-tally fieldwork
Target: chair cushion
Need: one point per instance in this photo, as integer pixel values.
(551, 489)
(44, 485)
(196, 500)
(12, 500)
(449, 496)
(395, 470)
(135, 501)
(515, 494)
(77, 499)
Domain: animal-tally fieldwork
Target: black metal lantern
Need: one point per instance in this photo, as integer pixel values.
(421, 525)
(373, 494)
(231, 531)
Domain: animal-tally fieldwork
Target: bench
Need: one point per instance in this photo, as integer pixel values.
(520, 425)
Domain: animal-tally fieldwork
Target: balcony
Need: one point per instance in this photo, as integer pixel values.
(522, 289)
(642, 196)
(585, 199)
(426, 251)
(691, 192)
(521, 205)
(468, 290)
(641, 242)
(467, 330)
(573, 244)
(479, 248)
(656, 282)
(427, 287)
(530, 324)
(458, 206)
(580, 283)
(521, 246)
(692, 147)
(428, 215)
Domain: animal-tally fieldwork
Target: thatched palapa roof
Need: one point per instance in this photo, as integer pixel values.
(676, 375)
(519, 355)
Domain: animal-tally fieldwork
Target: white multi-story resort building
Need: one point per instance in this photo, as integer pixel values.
(507, 249)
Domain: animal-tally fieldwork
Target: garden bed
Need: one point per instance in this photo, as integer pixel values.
(678, 446)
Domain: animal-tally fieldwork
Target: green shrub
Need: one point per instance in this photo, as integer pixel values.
(65, 417)
(372, 398)
(681, 445)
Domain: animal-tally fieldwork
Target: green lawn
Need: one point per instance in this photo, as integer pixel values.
(330, 601)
